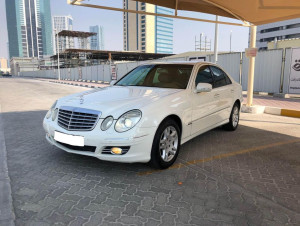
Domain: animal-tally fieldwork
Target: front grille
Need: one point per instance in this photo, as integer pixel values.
(106, 150)
(79, 119)
(78, 148)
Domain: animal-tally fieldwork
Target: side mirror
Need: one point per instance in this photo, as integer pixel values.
(112, 82)
(203, 87)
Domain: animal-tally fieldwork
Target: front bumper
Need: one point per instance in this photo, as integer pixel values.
(139, 139)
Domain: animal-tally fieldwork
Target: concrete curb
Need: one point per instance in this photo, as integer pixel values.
(282, 112)
(256, 109)
(75, 84)
(7, 215)
(88, 81)
(82, 85)
(259, 93)
(278, 95)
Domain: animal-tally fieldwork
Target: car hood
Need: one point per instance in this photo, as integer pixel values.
(116, 100)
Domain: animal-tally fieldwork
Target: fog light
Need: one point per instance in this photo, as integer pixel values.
(116, 151)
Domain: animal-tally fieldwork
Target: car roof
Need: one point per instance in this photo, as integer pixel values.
(180, 62)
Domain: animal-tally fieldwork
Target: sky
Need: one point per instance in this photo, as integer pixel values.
(184, 31)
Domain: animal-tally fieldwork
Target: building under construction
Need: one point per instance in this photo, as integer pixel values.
(79, 53)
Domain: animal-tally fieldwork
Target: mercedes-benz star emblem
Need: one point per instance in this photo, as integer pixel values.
(81, 99)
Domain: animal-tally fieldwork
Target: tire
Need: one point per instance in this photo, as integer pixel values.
(234, 118)
(167, 135)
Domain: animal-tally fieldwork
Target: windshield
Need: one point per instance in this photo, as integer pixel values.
(158, 75)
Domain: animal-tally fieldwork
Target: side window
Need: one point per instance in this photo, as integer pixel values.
(204, 76)
(220, 77)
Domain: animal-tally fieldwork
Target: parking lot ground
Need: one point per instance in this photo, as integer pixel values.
(247, 177)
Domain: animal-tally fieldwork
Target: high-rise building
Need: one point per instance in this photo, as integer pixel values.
(45, 12)
(62, 23)
(29, 28)
(279, 30)
(97, 41)
(146, 33)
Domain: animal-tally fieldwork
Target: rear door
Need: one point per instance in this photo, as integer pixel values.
(224, 90)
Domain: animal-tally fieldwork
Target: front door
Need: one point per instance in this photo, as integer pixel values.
(205, 104)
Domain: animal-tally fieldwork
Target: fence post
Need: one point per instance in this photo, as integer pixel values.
(97, 72)
(241, 65)
(103, 73)
(282, 70)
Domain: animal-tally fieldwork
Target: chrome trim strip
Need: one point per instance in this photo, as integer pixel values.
(209, 114)
(83, 110)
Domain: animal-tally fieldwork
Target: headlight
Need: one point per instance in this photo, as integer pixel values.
(107, 122)
(49, 113)
(128, 120)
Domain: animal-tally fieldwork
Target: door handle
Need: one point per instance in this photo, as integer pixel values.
(232, 90)
(217, 95)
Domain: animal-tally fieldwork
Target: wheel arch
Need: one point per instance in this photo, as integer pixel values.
(176, 118)
(238, 101)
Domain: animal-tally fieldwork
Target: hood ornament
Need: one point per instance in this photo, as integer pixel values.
(81, 100)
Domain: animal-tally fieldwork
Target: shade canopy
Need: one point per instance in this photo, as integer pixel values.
(256, 12)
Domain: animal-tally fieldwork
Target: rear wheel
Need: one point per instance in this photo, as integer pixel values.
(166, 145)
(234, 118)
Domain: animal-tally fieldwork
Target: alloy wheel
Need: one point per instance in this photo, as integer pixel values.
(235, 116)
(168, 144)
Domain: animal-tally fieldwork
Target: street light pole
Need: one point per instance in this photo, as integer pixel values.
(200, 42)
(57, 47)
(216, 40)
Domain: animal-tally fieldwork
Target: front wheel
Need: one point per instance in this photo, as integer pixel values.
(166, 145)
(234, 118)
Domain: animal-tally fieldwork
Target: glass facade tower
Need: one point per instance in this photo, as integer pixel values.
(146, 33)
(45, 14)
(97, 41)
(29, 28)
(163, 31)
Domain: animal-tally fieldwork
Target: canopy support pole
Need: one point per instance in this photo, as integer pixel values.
(251, 67)
(216, 40)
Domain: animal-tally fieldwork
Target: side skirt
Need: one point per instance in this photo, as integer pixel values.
(204, 130)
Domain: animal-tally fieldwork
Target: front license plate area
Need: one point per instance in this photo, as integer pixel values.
(69, 139)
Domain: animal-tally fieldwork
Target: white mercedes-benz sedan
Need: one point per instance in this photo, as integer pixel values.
(147, 114)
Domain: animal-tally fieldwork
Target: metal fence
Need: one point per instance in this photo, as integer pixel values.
(231, 63)
(267, 71)
(272, 68)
